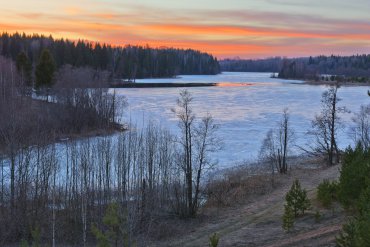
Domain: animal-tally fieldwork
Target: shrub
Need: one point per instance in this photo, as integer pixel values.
(213, 240)
(327, 193)
(296, 199)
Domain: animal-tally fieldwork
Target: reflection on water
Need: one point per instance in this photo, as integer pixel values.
(230, 84)
(246, 107)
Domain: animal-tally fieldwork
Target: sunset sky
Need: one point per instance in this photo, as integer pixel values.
(244, 28)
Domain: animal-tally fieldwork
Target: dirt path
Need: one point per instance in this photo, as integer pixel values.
(259, 223)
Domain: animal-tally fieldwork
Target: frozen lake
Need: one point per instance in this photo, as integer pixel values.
(246, 106)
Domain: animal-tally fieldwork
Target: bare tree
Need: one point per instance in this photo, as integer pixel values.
(268, 152)
(276, 145)
(285, 136)
(361, 130)
(326, 125)
(206, 142)
(186, 118)
(197, 141)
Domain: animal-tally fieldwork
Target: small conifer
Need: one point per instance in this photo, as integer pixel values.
(297, 200)
(288, 218)
(213, 240)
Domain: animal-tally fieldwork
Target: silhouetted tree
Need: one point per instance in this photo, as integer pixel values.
(45, 70)
(24, 68)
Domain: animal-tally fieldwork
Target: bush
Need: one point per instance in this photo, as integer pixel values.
(327, 192)
(213, 240)
(296, 199)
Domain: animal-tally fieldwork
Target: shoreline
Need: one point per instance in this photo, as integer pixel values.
(94, 132)
(333, 83)
(162, 85)
(117, 128)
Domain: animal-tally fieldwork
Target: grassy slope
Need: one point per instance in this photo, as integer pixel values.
(258, 223)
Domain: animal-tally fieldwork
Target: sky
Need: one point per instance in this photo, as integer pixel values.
(225, 28)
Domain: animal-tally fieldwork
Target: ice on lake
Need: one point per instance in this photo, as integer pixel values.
(245, 107)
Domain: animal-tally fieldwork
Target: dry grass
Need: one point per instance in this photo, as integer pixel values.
(239, 186)
(246, 210)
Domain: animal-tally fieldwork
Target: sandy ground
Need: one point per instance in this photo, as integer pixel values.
(258, 223)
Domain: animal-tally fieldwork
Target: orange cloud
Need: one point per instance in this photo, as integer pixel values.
(73, 10)
(222, 40)
(237, 31)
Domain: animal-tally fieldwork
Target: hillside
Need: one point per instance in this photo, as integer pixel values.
(258, 222)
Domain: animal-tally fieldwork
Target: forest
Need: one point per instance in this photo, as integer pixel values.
(348, 68)
(250, 65)
(129, 62)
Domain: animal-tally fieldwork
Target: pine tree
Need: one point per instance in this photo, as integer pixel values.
(213, 240)
(45, 70)
(357, 231)
(288, 218)
(347, 236)
(115, 233)
(100, 237)
(296, 199)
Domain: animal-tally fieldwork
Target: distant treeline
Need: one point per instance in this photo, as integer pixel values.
(260, 65)
(353, 68)
(129, 62)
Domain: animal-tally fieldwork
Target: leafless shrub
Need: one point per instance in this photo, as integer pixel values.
(238, 186)
(361, 130)
(276, 145)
